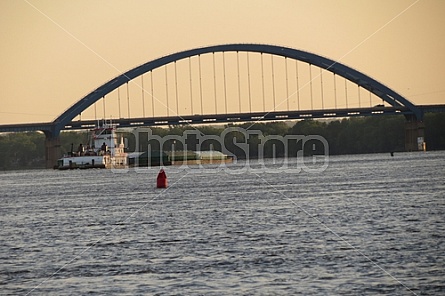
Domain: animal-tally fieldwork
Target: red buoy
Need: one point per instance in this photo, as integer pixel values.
(161, 181)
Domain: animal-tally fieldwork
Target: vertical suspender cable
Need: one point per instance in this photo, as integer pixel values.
(103, 102)
(248, 82)
(321, 83)
(152, 94)
(119, 101)
(310, 82)
(358, 90)
(335, 91)
(346, 93)
(214, 82)
(176, 90)
(287, 84)
(191, 85)
(239, 83)
(262, 83)
(166, 90)
(273, 82)
(200, 83)
(370, 101)
(95, 111)
(128, 99)
(143, 95)
(298, 86)
(224, 76)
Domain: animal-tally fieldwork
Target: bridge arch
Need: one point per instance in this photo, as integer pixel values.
(362, 80)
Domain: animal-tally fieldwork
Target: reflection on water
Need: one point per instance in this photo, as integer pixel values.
(368, 224)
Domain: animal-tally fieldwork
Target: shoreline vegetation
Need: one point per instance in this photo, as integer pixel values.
(358, 135)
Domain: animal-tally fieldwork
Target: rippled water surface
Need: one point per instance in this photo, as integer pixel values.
(367, 225)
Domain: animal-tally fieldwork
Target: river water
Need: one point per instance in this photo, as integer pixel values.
(366, 225)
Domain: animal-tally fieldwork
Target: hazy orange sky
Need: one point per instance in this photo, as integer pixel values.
(54, 52)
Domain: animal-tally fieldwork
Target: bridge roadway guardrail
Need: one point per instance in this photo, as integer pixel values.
(225, 118)
(242, 117)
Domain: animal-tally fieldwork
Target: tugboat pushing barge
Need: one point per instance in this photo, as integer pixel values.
(103, 151)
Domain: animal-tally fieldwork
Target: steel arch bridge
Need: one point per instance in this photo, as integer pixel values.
(397, 103)
(385, 93)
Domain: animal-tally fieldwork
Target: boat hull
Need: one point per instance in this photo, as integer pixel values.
(91, 162)
(82, 166)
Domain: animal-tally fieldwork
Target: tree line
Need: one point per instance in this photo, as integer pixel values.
(346, 136)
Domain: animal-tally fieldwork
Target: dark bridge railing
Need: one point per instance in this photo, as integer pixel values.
(48, 127)
(243, 117)
(26, 127)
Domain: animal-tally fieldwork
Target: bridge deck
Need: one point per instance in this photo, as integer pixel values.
(243, 117)
(226, 118)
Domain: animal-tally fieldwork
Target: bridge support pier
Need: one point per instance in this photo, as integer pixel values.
(52, 150)
(414, 135)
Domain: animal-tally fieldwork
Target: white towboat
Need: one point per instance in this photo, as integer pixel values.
(103, 151)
